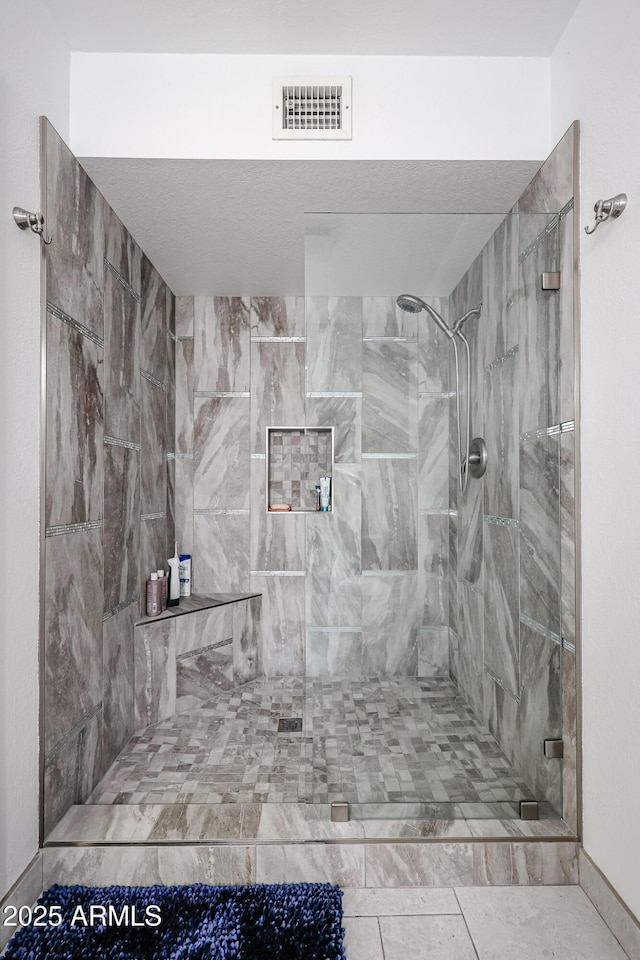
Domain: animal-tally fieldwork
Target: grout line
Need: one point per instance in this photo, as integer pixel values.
(464, 920)
(382, 951)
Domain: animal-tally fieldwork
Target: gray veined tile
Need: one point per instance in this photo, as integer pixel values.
(155, 547)
(153, 322)
(433, 444)
(277, 391)
(502, 438)
(433, 651)
(389, 515)
(540, 531)
(387, 902)
(155, 672)
(74, 456)
(362, 938)
(334, 344)
(220, 553)
(247, 639)
(419, 865)
(342, 864)
(73, 637)
(222, 453)
(71, 772)
(334, 555)
(121, 361)
(390, 625)
(75, 219)
(282, 617)
(183, 505)
(277, 317)
(539, 339)
(382, 317)
(531, 922)
(567, 536)
(184, 316)
(118, 673)
(202, 676)
(467, 646)
(222, 338)
(277, 540)
(154, 446)
(552, 187)
(344, 414)
(433, 350)
(389, 405)
(433, 558)
(436, 937)
(334, 653)
(184, 399)
(500, 293)
(121, 250)
(470, 533)
(501, 611)
(121, 530)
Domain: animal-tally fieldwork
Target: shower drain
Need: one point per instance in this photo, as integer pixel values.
(290, 725)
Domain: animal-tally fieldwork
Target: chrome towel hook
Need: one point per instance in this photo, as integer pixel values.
(31, 221)
(614, 208)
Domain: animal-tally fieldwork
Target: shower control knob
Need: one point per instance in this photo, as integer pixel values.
(477, 458)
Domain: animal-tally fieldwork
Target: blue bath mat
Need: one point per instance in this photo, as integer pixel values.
(297, 921)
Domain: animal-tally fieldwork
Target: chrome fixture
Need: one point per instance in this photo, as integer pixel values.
(339, 812)
(551, 280)
(603, 209)
(412, 304)
(554, 749)
(529, 810)
(31, 221)
(477, 458)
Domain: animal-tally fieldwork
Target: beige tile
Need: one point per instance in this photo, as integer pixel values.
(387, 902)
(416, 938)
(362, 939)
(529, 923)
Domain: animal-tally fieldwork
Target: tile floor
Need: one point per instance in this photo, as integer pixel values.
(476, 923)
(378, 741)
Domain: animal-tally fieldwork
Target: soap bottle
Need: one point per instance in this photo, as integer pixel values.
(163, 582)
(185, 574)
(174, 579)
(154, 596)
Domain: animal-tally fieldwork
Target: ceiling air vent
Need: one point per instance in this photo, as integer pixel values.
(312, 108)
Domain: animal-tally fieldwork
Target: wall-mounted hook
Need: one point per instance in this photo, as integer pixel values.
(31, 221)
(614, 208)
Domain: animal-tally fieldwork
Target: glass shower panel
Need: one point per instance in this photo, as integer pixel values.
(432, 647)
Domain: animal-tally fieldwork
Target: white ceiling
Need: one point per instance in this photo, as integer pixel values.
(229, 227)
(371, 27)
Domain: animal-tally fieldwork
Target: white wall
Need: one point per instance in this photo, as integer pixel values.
(600, 86)
(219, 107)
(34, 80)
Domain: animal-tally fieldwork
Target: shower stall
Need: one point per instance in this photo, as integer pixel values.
(408, 654)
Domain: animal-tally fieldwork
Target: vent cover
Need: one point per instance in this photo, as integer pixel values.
(312, 108)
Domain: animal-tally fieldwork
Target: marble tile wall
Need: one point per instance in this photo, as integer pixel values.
(379, 377)
(512, 539)
(109, 473)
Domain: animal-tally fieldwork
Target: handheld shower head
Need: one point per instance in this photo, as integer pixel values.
(412, 304)
(474, 312)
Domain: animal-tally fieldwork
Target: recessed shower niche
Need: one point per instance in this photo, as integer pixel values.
(296, 459)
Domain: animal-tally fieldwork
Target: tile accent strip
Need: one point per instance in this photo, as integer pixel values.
(502, 521)
(183, 339)
(534, 625)
(172, 335)
(550, 227)
(258, 456)
(127, 286)
(389, 456)
(153, 516)
(437, 396)
(497, 679)
(150, 377)
(278, 573)
(389, 339)
(183, 456)
(334, 629)
(567, 426)
(543, 432)
(205, 512)
(78, 728)
(500, 360)
(64, 528)
(472, 586)
(437, 512)
(228, 393)
(117, 442)
(335, 393)
(80, 327)
(211, 646)
(278, 339)
(112, 611)
(387, 573)
(571, 647)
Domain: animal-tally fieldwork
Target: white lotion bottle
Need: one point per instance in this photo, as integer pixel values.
(174, 579)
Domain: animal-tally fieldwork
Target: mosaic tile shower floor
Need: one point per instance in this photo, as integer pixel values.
(394, 740)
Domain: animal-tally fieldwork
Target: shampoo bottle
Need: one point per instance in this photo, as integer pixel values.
(185, 574)
(154, 596)
(174, 579)
(163, 582)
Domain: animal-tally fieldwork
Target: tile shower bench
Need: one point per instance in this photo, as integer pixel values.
(184, 656)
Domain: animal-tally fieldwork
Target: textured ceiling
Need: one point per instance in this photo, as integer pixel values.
(229, 227)
(409, 28)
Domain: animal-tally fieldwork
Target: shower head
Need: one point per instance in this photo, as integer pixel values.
(412, 304)
(474, 312)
